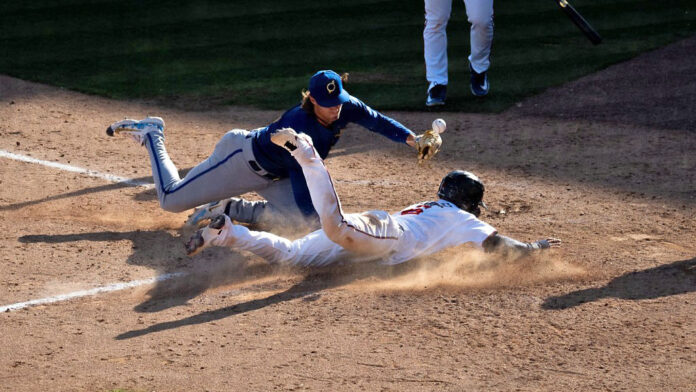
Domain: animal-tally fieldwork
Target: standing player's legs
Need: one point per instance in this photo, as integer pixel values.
(225, 173)
(437, 14)
(480, 15)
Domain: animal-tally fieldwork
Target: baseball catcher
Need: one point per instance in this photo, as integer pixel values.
(418, 230)
(245, 161)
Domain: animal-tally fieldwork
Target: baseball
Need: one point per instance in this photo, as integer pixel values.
(439, 125)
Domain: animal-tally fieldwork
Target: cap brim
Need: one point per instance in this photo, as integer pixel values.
(340, 99)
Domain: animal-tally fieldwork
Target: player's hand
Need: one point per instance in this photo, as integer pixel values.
(428, 144)
(549, 243)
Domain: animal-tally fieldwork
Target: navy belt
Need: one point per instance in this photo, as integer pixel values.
(262, 172)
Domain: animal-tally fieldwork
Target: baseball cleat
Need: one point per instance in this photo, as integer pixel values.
(479, 82)
(436, 95)
(204, 238)
(208, 211)
(136, 129)
(286, 138)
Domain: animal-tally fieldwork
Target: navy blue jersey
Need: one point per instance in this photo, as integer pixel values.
(278, 161)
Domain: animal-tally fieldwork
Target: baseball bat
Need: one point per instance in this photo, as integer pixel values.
(579, 21)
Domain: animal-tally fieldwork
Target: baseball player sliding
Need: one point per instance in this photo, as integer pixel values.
(245, 161)
(418, 230)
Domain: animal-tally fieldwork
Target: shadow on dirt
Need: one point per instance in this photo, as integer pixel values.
(670, 279)
(308, 289)
(145, 195)
(67, 195)
(164, 252)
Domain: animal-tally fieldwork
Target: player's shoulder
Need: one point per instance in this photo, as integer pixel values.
(354, 104)
(295, 111)
(295, 116)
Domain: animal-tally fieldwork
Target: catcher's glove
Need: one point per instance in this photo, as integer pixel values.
(428, 145)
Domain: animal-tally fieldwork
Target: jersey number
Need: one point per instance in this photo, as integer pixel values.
(420, 207)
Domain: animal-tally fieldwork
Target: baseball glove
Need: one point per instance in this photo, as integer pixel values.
(428, 145)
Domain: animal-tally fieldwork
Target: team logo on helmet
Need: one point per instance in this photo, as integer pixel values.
(331, 86)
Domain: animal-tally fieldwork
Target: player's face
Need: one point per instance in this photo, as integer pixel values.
(326, 115)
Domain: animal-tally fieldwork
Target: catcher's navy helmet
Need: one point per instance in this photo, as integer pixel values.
(464, 190)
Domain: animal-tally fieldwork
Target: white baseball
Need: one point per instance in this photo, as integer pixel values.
(439, 125)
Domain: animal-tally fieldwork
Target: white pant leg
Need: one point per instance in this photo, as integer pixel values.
(480, 15)
(437, 14)
(312, 250)
(373, 233)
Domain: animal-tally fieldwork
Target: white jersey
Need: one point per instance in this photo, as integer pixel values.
(418, 230)
(432, 226)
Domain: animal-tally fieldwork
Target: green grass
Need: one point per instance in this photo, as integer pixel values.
(262, 53)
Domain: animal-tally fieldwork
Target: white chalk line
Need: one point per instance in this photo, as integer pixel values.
(97, 290)
(108, 177)
(94, 291)
(132, 182)
(75, 169)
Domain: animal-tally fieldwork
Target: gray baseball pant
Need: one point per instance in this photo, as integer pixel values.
(226, 173)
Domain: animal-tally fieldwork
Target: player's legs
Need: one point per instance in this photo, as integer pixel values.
(225, 173)
(280, 208)
(373, 233)
(437, 14)
(480, 15)
(312, 250)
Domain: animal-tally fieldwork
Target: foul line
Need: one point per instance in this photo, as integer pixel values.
(132, 182)
(75, 169)
(97, 290)
(111, 287)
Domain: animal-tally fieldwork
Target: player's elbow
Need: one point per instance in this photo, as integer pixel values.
(504, 245)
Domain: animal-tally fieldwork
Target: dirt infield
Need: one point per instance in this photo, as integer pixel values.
(606, 163)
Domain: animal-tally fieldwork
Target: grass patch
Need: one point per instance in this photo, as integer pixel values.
(262, 53)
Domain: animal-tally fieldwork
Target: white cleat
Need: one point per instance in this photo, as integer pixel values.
(207, 212)
(136, 129)
(205, 237)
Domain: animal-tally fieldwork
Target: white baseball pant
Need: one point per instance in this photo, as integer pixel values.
(437, 14)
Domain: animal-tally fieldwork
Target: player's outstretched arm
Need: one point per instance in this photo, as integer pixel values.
(503, 244)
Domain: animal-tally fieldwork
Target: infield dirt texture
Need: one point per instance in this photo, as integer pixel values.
(606, 163)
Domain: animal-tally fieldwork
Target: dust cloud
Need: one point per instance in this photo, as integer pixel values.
(467, 268)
